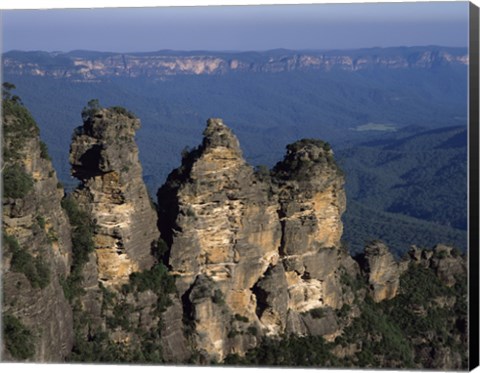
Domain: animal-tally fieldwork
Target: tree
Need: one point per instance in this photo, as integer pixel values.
(7, 90)
(93, 106)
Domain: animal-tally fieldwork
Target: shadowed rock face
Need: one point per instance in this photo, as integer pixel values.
(251, 252)
(104, 158)
(31, 272)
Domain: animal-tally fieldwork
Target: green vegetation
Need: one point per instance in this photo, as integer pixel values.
(363, 224)
(16, 182)
(18, 124)
(18, 127)
(289, 351)
(159, 248)
(122, 111)
(120, 318)
(41, 221)
(388, 329)
(156, 279)
(18, 340)
(384, 342)
(241, 318)
(218, 297)
(441, 323)
(34, 268)
(44, 151)
(302, 156)
(252, 330)
(82, 246)
(263, 172)
(387, 332)
(92, 108)
(407, 189)
(306, 143)
(98, 347)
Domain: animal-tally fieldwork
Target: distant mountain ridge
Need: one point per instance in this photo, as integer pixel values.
(91, 66)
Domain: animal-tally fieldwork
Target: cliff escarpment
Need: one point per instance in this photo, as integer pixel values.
(36, 244)
(93, 67)
(254, 252)
(234, 265)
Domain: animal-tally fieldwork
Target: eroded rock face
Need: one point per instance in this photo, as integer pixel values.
(253, 253)
(226, 234)
(447, 263)
(310, 191)
(104, 158)
(36, 244)
(383, 271)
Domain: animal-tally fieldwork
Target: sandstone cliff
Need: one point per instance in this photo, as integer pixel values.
(93, 67)
(224, 235)
(255, 262)
(310, 190)
(126, 305)
(104, 158)
(37, 319)
(254, 253)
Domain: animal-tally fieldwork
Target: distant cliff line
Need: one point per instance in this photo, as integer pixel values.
(91, 66)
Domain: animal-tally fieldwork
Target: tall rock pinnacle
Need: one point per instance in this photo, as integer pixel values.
(253, 253)
(104, 157)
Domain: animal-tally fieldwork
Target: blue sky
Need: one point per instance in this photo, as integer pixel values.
(321, 26)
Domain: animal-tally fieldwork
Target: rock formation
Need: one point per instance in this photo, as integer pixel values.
(37, 318)
(253, 254)
(254, 259)
(310, 189)
(382, 270)
(226, 234)
(90, 66)
(445, 260)
(104, 158)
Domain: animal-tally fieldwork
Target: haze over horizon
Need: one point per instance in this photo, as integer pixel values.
(237, 28)
(173, 51)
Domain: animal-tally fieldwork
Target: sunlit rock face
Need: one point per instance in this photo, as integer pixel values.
(104, 158)
(225, 235)
(382, 270)
(254, 252)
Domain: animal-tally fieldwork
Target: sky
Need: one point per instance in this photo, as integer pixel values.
(237, 28)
